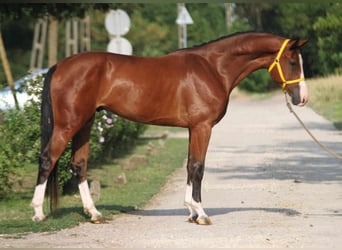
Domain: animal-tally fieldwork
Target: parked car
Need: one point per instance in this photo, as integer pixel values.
(6, 96)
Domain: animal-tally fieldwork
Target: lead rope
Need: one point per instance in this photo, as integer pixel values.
(308, 131)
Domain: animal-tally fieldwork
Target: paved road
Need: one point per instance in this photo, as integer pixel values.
(266, 185)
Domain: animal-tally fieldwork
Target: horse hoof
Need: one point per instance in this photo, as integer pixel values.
(204, 221)
(97, 219)
(192, 219)
(37, 218)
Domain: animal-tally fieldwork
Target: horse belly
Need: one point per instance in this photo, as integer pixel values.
(151, 107)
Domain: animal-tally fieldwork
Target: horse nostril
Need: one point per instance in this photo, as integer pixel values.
(295, 100)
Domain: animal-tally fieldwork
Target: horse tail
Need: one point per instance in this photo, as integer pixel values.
(47, 122)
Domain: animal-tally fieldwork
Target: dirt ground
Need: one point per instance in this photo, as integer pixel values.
(266, 185)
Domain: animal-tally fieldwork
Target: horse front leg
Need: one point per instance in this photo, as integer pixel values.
(198, 144)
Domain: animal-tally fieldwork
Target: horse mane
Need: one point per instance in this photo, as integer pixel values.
(222, 38)
(217, 39)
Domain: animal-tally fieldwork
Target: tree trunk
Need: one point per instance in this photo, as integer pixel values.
(7, 70)
(258, 17)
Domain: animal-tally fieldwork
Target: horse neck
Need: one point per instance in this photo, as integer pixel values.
(238, 56)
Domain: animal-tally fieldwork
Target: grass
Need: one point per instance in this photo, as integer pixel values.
(325, 97)
(115, 198)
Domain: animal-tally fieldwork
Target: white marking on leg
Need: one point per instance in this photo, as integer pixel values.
(188, 193)
(197, 206)
(37, 202)
(87, 201)
(187, 202)
(202, 218)
(197, 213)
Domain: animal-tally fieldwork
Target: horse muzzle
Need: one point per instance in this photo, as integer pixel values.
(299, 94)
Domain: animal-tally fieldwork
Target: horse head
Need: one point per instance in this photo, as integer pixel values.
(287, 70)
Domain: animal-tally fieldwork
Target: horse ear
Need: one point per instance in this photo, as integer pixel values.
(297, 44)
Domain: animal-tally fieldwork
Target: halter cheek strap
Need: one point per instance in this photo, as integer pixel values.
(276, 63)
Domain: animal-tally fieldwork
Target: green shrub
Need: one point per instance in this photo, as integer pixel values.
(19, 145)
(20, 139)
(259, 81)
(111, 134)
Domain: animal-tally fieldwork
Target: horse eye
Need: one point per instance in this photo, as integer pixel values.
(293, 63)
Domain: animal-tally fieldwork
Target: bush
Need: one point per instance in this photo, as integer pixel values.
(19, 145)
(20, 139)
(259, 81)
(112, 134)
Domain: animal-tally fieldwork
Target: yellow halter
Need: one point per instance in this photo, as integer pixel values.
(280, 71)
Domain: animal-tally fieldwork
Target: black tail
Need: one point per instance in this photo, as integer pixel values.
(46, 133)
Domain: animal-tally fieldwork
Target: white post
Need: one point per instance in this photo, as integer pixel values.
(183, 19)
(184, 36)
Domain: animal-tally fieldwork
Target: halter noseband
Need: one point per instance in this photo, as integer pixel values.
(280, 71)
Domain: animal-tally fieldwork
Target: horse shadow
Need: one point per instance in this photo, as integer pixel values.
(117, 209)
(213, 211)
(107, 210)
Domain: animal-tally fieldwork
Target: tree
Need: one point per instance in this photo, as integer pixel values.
(295, 20)
(56, 13)
(154, 31)
(329, 37)
(254, 13)
(209, 22)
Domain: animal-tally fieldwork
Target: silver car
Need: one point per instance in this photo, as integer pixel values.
(6, 96)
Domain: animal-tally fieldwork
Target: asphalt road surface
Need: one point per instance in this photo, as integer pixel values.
(266, 184)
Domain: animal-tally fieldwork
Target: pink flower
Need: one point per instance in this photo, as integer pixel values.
(109, 121)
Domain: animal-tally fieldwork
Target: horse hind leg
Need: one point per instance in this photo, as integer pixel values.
(48, 159)
(37, 202)
(79, 165)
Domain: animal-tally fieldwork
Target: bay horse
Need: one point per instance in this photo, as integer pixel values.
(188, 88)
